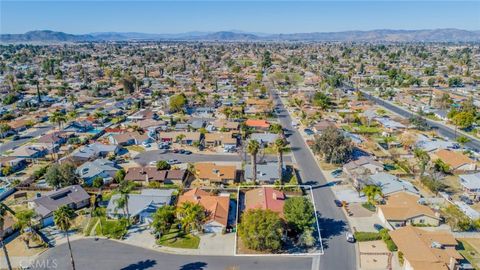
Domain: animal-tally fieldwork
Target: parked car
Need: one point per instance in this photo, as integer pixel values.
(146, 144)
(153, 163)
(350, 238)
(338, 203)
(181, 151)
(187, 152)
(466, 200)
(308, 131)
(377, 227)
(175, 151)
(336, 173)
(172, 161)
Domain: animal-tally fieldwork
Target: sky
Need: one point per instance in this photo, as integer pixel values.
(79, 17)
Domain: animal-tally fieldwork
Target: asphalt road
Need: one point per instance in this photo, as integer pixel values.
(339, 254)
(442, 129)
(146, 157)
(106, 254)
(27, 137)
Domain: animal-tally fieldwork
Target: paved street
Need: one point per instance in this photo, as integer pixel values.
(106, 254)
(442, 129)
(333, 224)
(154, 155)
(27, 137)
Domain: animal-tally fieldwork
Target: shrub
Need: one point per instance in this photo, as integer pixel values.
(367, 236)
(433, 185)
(368, 206)
(388, 240)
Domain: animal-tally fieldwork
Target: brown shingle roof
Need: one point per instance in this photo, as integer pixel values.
(216, 206)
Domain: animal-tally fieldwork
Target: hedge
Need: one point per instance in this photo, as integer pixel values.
(367, 236)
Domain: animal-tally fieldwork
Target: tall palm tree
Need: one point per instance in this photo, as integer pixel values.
(58, 118)
(72, 98)
(63, 220)
(3, 211)
(252, 148)
(124, 190)
(279, 147)
(191, 216)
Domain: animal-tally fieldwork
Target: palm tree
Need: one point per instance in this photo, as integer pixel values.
(252, 148)
(423, 159)
(191, 216)
(58, 118)
(124, 190)
(72, 98)
(3, 211)
(279, 147)
(63, 220)
(371, 191)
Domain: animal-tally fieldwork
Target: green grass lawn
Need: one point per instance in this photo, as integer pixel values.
(470, 253)
(91, 224)
(136, 148)
(111, 228)
(177, 239)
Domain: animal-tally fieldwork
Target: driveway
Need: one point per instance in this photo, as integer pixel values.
(107, 254)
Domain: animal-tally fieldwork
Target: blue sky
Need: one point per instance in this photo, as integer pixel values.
(253, 16)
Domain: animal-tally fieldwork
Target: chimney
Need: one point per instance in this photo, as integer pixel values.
(274, 196)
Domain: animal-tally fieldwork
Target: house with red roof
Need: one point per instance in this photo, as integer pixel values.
(265, 198)
(258, 124)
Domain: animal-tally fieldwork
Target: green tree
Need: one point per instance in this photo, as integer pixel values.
(267, 60)
(97, 182)
(423, 159)
(321, 100)
(163, 219)
(4, 128)
(191, 216)
(276, 128)
(24, 222)
(252, 148)
(333, 145)
(61, 175)
(372, 191)
(163, 165)
(440, 166)
(58, 118)
(63, 220)
(123, 190)
(4, 209)
(119, 176)
(462, 140)
(299, 213)
(463, 119)
(279, 147)
(178, 102)
(261, 230)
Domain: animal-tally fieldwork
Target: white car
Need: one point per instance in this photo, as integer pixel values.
(146, 144)
(153, 162)
(172, 161)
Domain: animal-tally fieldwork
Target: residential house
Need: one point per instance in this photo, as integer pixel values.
(30, 151)
(403, 209)
(265, 198)
(188, 138)
(390, 124)
(90, 152)
(471, 185)
(216, 207)
(224, 125)
(141, 206)
(258, 124)
(53, 140)
(74, 197)
(212, 173)
(14, 163)
(142, 115)
(152, 174)
(457, 161)
(266, 173)
(358, 170)
(98, 168)
(129, 138)
(390, 184)
(264, 139)
(426, 250)
(224, 139)
(321, 126)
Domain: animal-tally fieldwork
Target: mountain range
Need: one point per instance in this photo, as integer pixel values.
(384, 35)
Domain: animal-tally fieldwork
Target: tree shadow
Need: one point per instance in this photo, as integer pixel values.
(194, 266)
(141, 265)
(330, 227)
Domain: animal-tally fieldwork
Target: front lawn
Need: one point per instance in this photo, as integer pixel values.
(111, 228)
(135, 148)
(177, 239)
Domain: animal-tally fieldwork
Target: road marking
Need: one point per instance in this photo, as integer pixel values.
(316, 263)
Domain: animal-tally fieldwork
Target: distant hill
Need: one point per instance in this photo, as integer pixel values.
(436, 35)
